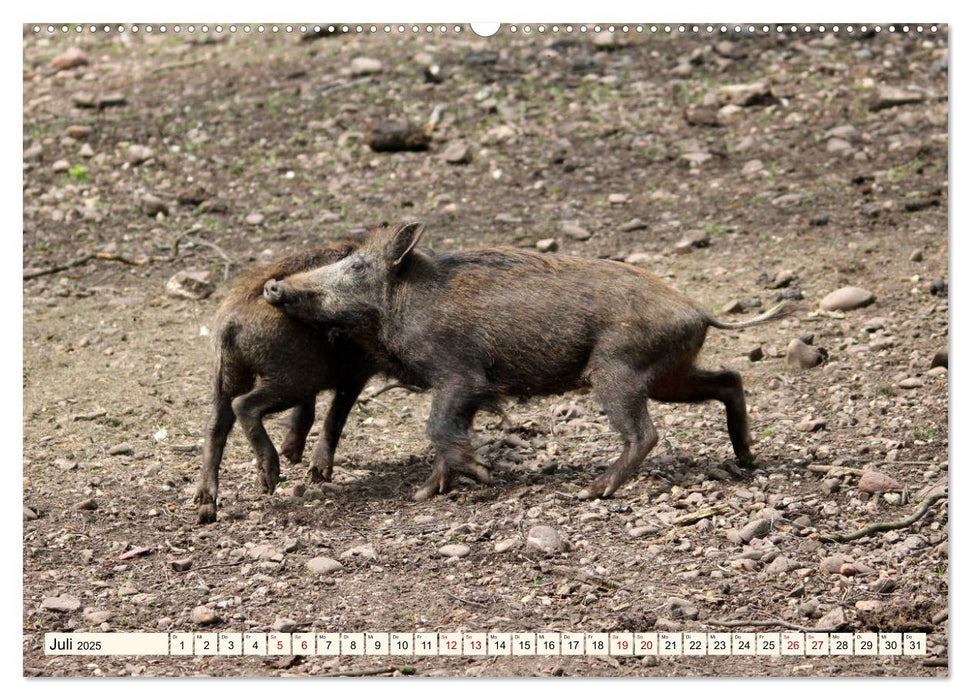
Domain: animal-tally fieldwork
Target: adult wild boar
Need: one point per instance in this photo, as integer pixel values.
(482, 325)
(267, 361)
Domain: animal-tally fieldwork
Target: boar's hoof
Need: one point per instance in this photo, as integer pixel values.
(207, 513)
(268, 482)
(478, 472)
(439, 482)
(746, 461)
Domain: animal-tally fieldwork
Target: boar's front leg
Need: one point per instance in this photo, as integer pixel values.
(322, 460)
(448, 428)
(250, 409)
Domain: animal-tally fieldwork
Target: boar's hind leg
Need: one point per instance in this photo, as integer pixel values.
(250, 409)
(692, 385)
(322, 460)
(448, 429)
(624, 398)
(301, 420)
(220, 423)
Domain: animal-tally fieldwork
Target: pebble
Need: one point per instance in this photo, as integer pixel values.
(789, 200)
(61, 603)
(201, 615)
(834, 620)
(639, 259)
(284, 624)
(819, 220)
(254, 219)
(780, 565)
(811, 425)
(833, 564)
(138, 154)
(755, 528)
(940, 358)
(60, 166)
(693, 239)
(86, 504)
(917, 255)
(86, 151)
(506, 544)
(838, 145)
(888, 96)
(84, 100)
(181, 564)
(802, 356)
(97, 617)
(547, 245)
(753, 167)
(29, 514)
(643, 531)
(617, 198)
(72, 58)
(454, 550)
(363, 65)
(633, 225)
(911, 383)
(190, 284)
(324, 566)
(873, 481)
(755, 354)
(847, 299)
(745, 95)
(362, 551)
(266, 552)
(457, 153)
(695, 158)
(574, 231)
(112, 99)
(81, 132)
(152, 205)
(543, 538)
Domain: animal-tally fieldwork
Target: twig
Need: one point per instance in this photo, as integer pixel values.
(177, 64)
(222, 253)
(827, 468)
(588, 578)
(213, 566)
(467, 602)
(691, 518)
(84, 259)
(343, 84)
(407, 670)
(883, 527)
(389, 387)
(760, 623)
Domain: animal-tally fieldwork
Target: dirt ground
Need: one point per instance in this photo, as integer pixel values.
(828, 169)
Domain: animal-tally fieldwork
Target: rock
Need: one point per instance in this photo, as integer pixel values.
(61, 603)
(869, 607)
(811, 425)
(643, 531)
(152, 205)
(60, 166)
(506, 544)
(783, 278)
(693, 159)
(884, 585)
(755, 354)
(29, 514)
(183, 564)
(201, 615)
(911, 383)
(362, 65)
(792, 199)
(139, 154)
(780, 565)
(543, 538)
(832, 621)
(847, 299)
(284, 624)
(457, 153)
(748, 95)
(391, 135)
(86, 151)
(72, 58)
(86, 504)
(753, 167)
(877, 482)
(833, 564)
(81, 132)
(454, 550)
(819, 220)
(730, 49)
(634, 224)
(361, 551)
(887, 97)
(639, 259)
(838, 145)
(547, 245)
(917, 255)
(755, 528)
(266, 552)
(692, 239)
(254, 219)
(190, 284)
(97, 617)
(33, 152)
(574, 231)
(802, 356)
(940, 358)
(324, 566)
(617, 198)
(85, 100)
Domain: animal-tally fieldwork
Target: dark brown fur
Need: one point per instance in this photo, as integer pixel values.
(482, 325)
(268, 362)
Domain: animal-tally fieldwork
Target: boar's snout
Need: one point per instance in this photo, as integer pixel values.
(275, 292)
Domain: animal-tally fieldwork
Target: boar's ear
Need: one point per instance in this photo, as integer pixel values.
(402, 241)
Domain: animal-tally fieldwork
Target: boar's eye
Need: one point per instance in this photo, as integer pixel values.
(358, 265)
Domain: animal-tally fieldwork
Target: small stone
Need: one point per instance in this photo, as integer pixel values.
(152, 205)
(633, 225)
(454, 550)
(112, 99)
(97, 617)
(780, 565)
(138, 154)
(917, 255)
(324, 566)
(506, 544)
(693, 159)
(693, 239)
(811, 425)
(86, 151)
(201, 615)
(190, 284)
(254, 219)
(575, 232)
(61, 603)
(60, 166)
(457, 153)
(181, 564)
(755, 528)
(643, 531)
(832, 621)
(884, 585)
(65, 465)
(543, 538)
(819, 220)
(266, 552)
(547, 245)
(72, 58)
(363, 65)
(617, 198)
(846, 299)
(86, 504)
(838, 145)
(911, 383)
(639, 259)
(84, 100)
(29, 514)
(888, 96)
(940, 358)
(802, 356)
(755, 354)
(361, 551)
(873, 481)
(81, 132)
(833, 564)
(745, 95)
(284, 624)
(753, 167)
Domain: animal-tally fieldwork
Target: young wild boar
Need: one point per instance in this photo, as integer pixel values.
(267, 362)
(482, 325)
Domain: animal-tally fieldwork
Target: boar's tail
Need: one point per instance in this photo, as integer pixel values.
(231, 376)
(778, 311)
